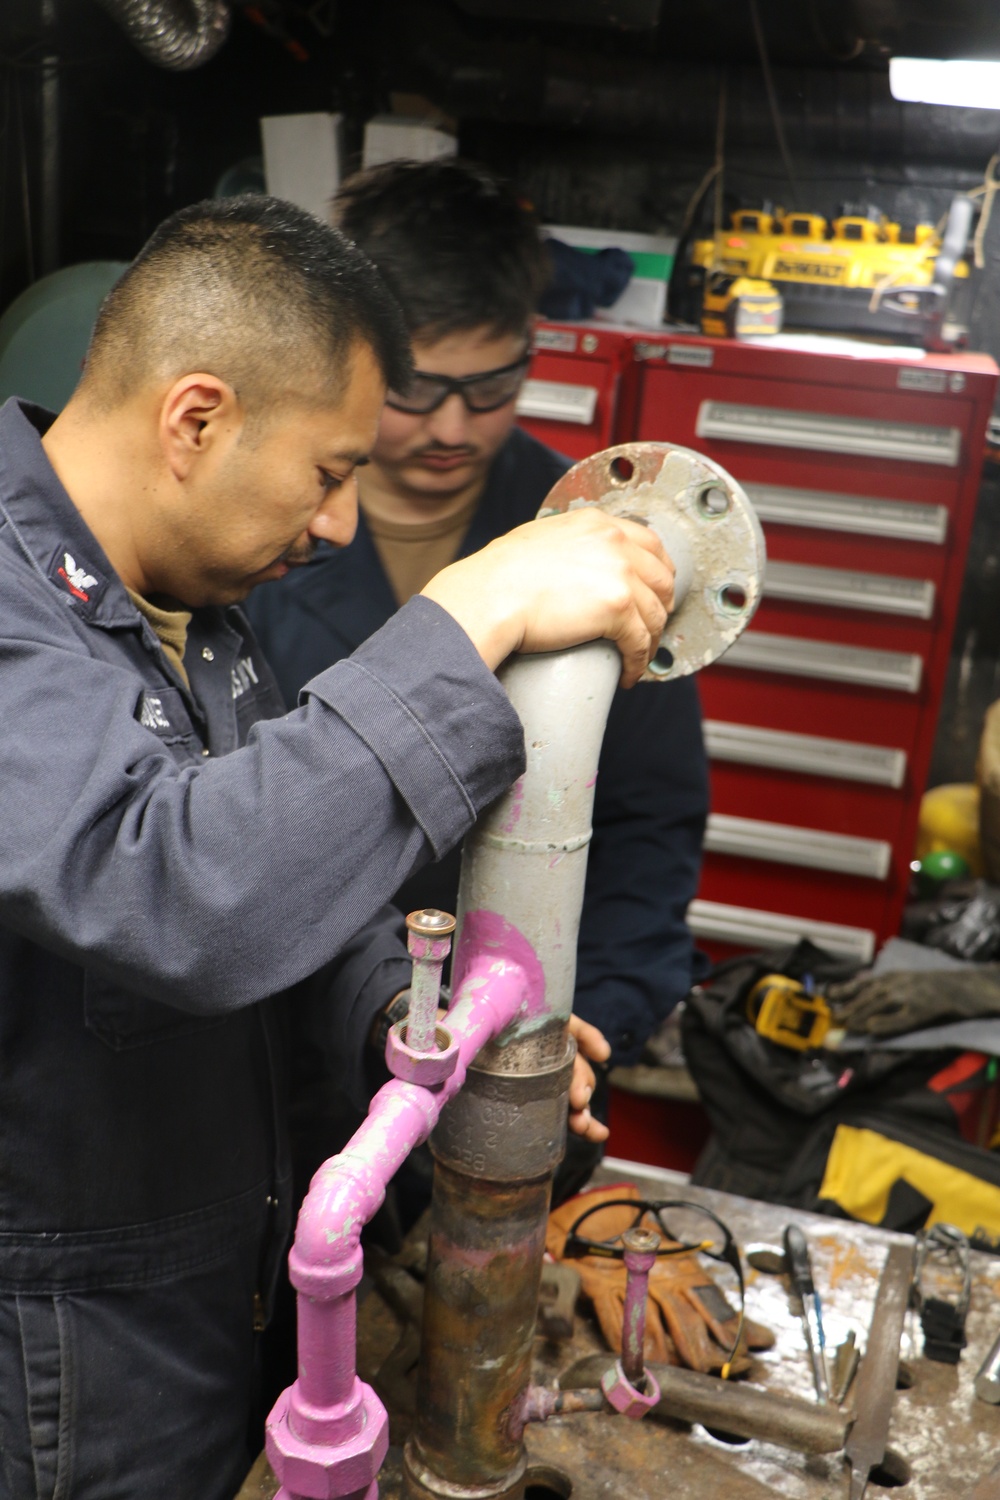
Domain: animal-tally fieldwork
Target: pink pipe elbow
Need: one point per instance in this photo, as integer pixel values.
(328, 1434)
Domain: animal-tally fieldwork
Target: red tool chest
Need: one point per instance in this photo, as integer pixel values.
(572, 398)
(820, 722)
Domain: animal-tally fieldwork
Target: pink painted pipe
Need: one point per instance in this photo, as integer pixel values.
(328, 1434)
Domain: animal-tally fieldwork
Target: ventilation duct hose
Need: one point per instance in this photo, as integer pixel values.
(175, 34)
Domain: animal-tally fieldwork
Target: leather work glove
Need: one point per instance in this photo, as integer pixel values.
(688, 1320)
(890, 1004)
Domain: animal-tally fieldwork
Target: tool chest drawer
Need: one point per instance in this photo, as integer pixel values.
(570, 399)
(820, 721)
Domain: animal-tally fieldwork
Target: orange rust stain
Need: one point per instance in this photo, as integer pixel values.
(848, 1261)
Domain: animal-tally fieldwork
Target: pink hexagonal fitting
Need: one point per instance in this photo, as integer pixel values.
(626, 1398)
(426, 1068)
(328, 1471)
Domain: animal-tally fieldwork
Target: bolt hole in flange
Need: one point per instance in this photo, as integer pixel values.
(662, 663)
(733, 598)
(620, 469)
(546, 1482)
(892, 1473)
(713, 501)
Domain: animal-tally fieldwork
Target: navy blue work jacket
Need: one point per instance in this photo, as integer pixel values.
(634, 958)
(169, 859)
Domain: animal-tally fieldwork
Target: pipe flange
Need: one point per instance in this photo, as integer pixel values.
(426, 1068)
(708, 527)
(627, 1399)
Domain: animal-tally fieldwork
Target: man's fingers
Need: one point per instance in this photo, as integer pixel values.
(590, 1043)
(581, 1085)
(639, 633)
(582, 1122)
(589, 1040)
(657, 572)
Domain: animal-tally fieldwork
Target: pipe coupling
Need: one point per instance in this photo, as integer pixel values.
(507, 1127)
(325, 1470)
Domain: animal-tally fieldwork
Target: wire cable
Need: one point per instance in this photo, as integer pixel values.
(772, 98)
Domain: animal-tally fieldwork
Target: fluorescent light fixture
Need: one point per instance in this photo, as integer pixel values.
(967, 82)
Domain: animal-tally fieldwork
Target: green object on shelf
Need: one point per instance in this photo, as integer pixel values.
(935, 868)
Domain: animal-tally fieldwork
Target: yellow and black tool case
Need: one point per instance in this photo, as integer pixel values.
(856, 275)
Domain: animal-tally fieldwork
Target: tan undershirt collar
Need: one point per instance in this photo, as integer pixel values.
(171, 626)
(412, 552)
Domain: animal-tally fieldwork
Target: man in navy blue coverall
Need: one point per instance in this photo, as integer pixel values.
(449, 472)
(183, 868)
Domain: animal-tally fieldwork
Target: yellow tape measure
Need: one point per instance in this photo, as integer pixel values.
(782, 1010)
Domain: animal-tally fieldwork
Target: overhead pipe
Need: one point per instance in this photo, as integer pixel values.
(174, 34)
(494, 1090)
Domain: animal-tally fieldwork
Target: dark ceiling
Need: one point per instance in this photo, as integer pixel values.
(605, 110)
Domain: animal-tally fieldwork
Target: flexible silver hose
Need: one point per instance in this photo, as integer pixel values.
(175, 34)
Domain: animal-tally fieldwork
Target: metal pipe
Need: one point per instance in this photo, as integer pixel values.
(521, 893)
(428, 939)
(330, 1429)
(499, 1141)
(641, 1246)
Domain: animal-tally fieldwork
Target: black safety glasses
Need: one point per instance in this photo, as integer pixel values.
(486, 392)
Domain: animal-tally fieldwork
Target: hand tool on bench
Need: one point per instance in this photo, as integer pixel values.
(988, 1378)
(876, 1382)
(744, 1410)
(801, 1276)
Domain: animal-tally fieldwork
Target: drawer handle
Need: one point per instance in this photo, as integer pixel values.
(808, 753)
(557, 401)
(821, 432)
(812, 848)
(861, 515)
(747, 926)
(887, 593)
(760, 651)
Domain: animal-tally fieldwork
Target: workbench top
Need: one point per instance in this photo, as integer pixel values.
(948, 1437)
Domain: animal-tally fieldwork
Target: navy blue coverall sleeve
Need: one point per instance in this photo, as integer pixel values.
(211, 886)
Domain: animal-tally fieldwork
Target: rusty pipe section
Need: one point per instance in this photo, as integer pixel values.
(328, 1433)
(498, 1142)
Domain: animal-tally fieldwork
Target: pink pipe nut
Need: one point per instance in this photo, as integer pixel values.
(427, 1068)
(428, 938)
(624, 1397)
(342, 1471)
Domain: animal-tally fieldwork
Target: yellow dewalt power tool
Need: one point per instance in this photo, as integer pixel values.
(783, 1010)
(856, 274)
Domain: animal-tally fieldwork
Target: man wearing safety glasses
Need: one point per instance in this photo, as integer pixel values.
(450, 471)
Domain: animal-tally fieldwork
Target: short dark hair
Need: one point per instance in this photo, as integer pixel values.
(253, 290)
(457, 246)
